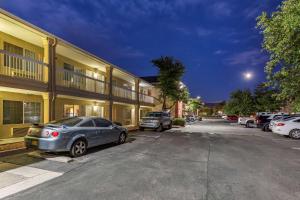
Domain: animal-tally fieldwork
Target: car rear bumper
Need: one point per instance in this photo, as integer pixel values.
(279, 131)
(149, 125)
(45, 144)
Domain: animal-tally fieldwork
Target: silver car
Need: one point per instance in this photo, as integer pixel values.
(156, 120)
(74, 135)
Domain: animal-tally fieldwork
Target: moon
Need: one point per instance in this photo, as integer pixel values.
(248, 75)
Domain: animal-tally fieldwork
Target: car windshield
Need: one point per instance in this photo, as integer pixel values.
(153, 114)
(67, 121)
(277, 117)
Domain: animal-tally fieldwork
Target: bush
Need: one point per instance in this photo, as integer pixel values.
(179, 122)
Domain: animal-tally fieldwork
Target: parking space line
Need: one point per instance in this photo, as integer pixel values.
(36, 178)
(296, 148)
(148, 136)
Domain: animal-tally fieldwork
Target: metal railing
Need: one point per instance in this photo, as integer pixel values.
(70, 79)
(146, 98)
(123, 92)
(15, 65)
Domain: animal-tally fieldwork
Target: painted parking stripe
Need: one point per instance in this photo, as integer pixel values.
(148, 136)
(296, 148)
(34, 177)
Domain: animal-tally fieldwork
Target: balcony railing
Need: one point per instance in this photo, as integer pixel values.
(123, 92)
(79, 81)
(146, 98)
(15, 65)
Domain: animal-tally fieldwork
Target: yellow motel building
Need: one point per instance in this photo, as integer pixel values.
(44, 78)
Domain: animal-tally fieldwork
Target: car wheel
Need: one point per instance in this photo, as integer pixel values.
(266, 128)
(248, 125)
(160, 128)
(78, 148)
(295, 134)
(170, 126)
(122, 138)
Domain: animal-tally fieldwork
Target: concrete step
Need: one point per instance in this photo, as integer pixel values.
(12, 146)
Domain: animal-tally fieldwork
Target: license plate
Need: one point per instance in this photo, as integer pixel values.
(34, 143)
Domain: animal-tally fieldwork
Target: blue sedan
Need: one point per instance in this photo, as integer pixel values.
(74, 135)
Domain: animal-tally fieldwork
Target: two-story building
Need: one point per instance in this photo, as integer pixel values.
(44, 78)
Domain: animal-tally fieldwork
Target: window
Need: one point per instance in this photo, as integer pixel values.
(12, 112)
(68, 67)
(19, 112)
(166, 115)
(32, 112)
(71, 110)
(91, 110)
(88, 123)
(102, 122)
(154, 114)
(10, 61)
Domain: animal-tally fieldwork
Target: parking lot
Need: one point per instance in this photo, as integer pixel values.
(212, 159)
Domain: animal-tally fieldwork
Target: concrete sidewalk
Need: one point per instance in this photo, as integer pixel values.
(22, 178)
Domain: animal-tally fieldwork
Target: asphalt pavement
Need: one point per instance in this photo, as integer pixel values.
(205, 160)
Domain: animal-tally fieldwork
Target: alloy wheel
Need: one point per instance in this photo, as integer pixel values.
(122, 138)
(80, 148)
(296, 134)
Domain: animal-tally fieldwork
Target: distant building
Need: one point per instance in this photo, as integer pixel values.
(177, 110)
(213, 108)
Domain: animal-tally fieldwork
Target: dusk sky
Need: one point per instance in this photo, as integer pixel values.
(216, 40)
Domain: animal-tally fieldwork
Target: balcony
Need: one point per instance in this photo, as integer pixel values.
(17, 66)
(146, 99)
(75, 80)
(123, 92)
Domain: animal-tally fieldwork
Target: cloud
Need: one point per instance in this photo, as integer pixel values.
(202, 32)
(221, 9)
(219, 52)
(183, 30)
(252, 57)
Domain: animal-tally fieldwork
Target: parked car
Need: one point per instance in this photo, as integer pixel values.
(74, 135)
(276, 119)
(288, 127)
(265, 122)
(191, 118)
(156, 120)
(224, 117)
(232, 118)
(245, 121)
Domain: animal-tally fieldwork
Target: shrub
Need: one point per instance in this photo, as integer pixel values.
(179, 122)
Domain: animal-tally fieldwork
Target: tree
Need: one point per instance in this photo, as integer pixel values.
(194, 104)
(281, 31)
(170, 73)
(241, 103)
(265, 99)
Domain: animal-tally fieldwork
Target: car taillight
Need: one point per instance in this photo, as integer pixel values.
(55, 134)
(280, 124)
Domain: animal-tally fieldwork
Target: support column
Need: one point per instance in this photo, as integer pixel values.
(50, 73)
(1, 55)
(137, 106)
(46, 108)
(109, 78)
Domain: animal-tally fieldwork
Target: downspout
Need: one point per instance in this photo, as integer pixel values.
(53, 83)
